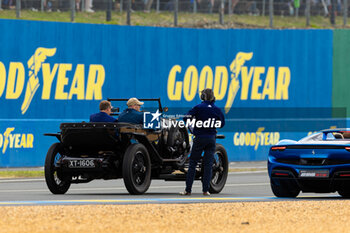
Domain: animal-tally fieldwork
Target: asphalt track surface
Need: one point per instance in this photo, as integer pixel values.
(240, 187)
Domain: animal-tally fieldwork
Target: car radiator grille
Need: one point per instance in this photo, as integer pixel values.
(314, 161)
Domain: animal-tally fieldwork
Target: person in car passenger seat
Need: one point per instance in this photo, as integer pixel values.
(132, 114)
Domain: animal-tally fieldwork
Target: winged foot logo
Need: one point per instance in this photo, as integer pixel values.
(67, 77)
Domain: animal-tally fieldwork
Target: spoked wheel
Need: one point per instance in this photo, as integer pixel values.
(137, 169)
(55, 180)
(220, 170)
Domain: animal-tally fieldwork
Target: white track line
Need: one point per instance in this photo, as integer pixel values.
(20, 180)
(123, 188)
(42, 179)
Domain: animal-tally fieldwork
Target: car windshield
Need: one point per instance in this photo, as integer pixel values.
(330, 136)
(150, 105)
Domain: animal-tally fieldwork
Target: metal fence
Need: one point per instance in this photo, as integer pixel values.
(271, 8)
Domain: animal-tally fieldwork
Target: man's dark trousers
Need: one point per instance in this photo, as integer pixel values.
(200, 144)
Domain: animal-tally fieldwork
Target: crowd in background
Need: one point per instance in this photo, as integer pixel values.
(49, 5)
(253, 7)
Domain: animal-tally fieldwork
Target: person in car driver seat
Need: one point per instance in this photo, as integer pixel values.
(104, 114)
(132, 114)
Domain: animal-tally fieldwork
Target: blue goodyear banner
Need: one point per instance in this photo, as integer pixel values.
(58, 72)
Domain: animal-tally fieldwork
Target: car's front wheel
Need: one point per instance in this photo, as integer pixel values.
(284, 188)
(55, 180)
(137, 169)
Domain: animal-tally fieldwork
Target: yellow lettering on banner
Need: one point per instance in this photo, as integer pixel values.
(78, 84)
(283, 81)
(205, 79)
(266, 136)
(48, 77)
(174, 88)
(30, 140)
(15, 78)
(236, 139)
(62, 81)
(246, 78)
(257, 83)
(252, 139)
(190, 83)
(96, 78)
(17, 136)
(271, 139)
(12, 139)
(247, 139)
(1, 140)
(220, 83)
(269, 86)
(23, 141)
(276, 138)
(259, 138)
(241, 139)
(2, 78)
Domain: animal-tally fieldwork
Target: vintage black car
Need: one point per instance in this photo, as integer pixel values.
(88, 151)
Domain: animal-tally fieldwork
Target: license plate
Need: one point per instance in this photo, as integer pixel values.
(314, 173)
(81, 163)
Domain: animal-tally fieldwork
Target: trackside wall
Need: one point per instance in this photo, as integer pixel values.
(58, 72)
(341, 69)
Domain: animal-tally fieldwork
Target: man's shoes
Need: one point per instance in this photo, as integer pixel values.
(206, 194)
(184, 193)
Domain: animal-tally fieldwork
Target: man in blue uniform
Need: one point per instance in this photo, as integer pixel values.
(205, 140)
(132, 114)
(104, 114)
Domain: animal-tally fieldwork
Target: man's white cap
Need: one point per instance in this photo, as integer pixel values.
(134, 101)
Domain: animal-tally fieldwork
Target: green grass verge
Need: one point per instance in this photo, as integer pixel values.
(166, 19)
(21, 174)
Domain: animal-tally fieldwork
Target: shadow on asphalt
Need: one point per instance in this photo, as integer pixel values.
(121, 194)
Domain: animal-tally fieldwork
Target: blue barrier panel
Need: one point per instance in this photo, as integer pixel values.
(58, 72)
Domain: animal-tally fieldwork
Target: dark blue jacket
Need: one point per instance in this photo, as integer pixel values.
(204, 111)
(130, 115)
(102, 117)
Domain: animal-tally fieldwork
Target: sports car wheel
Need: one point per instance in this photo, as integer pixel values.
(283, 188)
(220, 170)
(137, 169)
(55, 180)
(344, 193)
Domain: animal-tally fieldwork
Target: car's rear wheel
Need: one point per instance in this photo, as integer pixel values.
(137, 169)
(284, 188)
(220, 170)
(55, 180)
(344, 193)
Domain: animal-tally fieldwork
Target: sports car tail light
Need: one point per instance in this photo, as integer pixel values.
(347, 148)
(345, 175)
(281, 174)
(280, 148)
